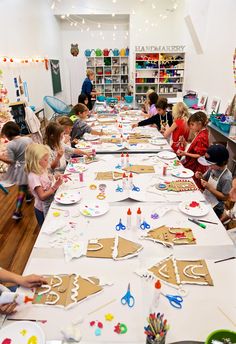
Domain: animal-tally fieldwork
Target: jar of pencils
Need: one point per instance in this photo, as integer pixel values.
(161, 340)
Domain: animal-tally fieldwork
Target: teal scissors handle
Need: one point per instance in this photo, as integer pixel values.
(175, 300)
(128, 299)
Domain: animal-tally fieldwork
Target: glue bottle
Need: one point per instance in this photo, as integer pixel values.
(129, 214)
(124, 181)
(156, 296)
(122, 160)
(138, 219)
(131, 180)
(127, 159)
(9, 297)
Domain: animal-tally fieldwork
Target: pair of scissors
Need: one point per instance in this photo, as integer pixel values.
(174, 300)
(119, 188)
(128, 298)
(135, 188)
(120, 226)
(144, 225)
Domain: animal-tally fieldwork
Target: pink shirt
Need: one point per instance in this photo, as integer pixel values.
(152, 110)
(35, 180)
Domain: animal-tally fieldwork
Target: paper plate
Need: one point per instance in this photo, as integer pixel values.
(67, 197)
(22, 332)
(90, 137)
(93, 209)
(157, 142)
(91, 119)
(183, 173)
(83, 145)
(76, 168)
(194, 208)
(166, 155)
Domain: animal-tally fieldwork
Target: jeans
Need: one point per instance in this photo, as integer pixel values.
(39, 216)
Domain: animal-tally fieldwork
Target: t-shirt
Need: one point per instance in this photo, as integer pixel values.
(35, 180)
(158, 119)
(62, 162)
(87, 87)
(224, 183)
(152, 110)
(79, 128)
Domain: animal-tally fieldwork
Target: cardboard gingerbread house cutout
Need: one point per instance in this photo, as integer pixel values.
(140, 169)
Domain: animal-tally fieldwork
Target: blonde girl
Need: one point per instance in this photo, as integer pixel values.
(179, 129)
(41, 184)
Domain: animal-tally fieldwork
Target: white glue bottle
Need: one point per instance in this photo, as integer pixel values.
(129, 214)
(156, 297)
(122, 160)
(138, 219)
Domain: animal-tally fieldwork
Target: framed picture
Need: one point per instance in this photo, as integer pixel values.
(215, 103)
(202, 99)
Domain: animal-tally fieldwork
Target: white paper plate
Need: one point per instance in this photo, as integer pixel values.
(68, 197)
(20, 332)
(200, 210)
(83, 145)
(76, 168)
(93, 209)
(166, 155)
(158, 142)
(90, 137)
(183, 173)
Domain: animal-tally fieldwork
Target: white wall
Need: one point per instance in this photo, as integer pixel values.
(212, 71)
(29, 29)
(75, 71)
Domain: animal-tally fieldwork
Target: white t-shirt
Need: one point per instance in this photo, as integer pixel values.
(35, 180)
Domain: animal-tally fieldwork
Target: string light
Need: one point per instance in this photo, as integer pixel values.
(99, 25)
(53, 5)
(83, 21)
(37, 59)
(133, 11)
(153, 6)
(63, 17)
(113, 15)
(115, 27)
(114, 1)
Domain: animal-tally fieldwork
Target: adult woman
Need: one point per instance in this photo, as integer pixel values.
(87, 87)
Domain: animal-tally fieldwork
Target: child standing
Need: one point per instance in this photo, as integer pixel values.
(179, 129)
(197, 123)
(80, 127)
(40, 182)
(161, 119)
(16, 160)
(67, 125)
(218, 179)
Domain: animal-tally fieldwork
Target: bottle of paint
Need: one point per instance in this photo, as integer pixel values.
(124, 181)
(129, 214)
(138, 218)
(130, 180)
(156, 297)
(164, 170)
(122, 159)
(127, 159)
(81, 177)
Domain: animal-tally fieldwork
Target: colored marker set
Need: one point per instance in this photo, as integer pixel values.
(156, 329)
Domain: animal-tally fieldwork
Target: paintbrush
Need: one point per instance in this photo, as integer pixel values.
(35, 320)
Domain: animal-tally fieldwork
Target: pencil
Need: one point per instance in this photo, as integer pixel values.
(224, 260)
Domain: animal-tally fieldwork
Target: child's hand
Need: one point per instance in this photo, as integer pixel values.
(135, 125)
(198, 175)
(181, 153)
(66, 138)
(32, 281)
(205, 184)
(58, 182)
(88, 154)
(8, 308)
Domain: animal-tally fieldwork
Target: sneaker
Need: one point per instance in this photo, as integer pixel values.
(29, 199)
(17, 216)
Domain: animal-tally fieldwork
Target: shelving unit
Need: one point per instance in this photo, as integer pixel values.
(111, 74)
(163, 72)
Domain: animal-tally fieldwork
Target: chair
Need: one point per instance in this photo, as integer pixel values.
(57, 105)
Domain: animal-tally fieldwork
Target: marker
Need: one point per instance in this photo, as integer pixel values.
(197, 223)
(224, 260)
(213, 223)
(138, 219)
(129, 213)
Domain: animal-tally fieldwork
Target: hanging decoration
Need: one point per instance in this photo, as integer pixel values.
(74, 50)
(56, 77)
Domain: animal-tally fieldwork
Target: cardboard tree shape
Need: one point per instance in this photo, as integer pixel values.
(140, 169)
(176, 272)
(66, 290)
(109, 175)
(170, 236)
(117, 248)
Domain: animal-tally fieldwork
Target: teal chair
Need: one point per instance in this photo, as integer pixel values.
(58, 106)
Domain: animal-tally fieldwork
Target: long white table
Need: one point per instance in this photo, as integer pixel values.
(200, 314)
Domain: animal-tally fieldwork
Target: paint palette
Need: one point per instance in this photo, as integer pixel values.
(67, 197)
(93, 209)
(166, 155)
(76, 168)
(194, 208)
(23, 332)
(183, 173)
(90, 137)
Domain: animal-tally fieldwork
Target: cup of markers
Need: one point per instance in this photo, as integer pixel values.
(156, 329)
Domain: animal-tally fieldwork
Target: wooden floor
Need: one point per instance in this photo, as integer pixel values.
(16, 238)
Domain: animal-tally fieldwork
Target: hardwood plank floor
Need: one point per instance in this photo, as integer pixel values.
(16, 238)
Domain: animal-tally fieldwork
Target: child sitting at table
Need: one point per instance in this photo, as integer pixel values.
(67, 125)
(146, 106)
(30, 281)
(218, 179)
(161, 119)
(179, 129)
(151, 105)
(40, 182)
(197, 123)
(80, 127)
(83, 99)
